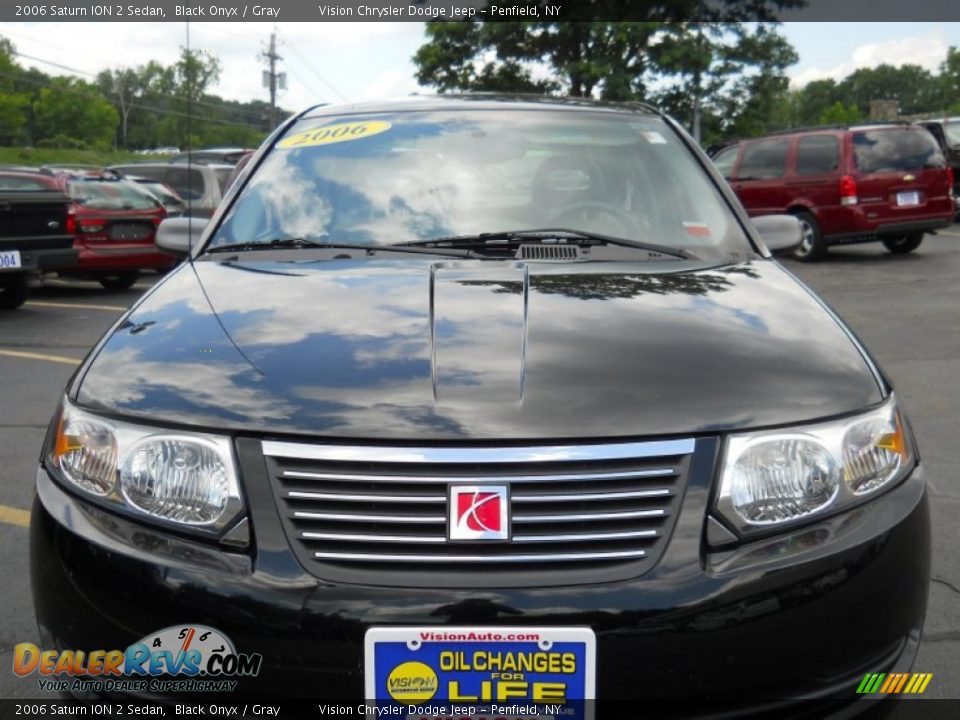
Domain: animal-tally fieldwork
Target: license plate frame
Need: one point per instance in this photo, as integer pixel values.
(908, 198)
(10, 260)
(388, 648)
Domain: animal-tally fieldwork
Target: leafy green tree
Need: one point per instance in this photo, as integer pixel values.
(813, 99)
(915, 89)
(733, 71)
(840, 114)
(70, 107)
(14, 105)
(950, 78)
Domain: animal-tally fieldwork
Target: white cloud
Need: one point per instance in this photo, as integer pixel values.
(927, 51)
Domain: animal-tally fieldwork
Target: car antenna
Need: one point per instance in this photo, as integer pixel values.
(189, 146)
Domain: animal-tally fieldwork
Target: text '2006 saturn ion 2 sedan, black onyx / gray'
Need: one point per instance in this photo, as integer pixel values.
(489, 401)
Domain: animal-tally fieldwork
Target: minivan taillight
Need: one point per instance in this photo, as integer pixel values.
(848, 190)
(71, 222)
(950, 180)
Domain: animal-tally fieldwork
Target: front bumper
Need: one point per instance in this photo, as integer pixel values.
(802, 615)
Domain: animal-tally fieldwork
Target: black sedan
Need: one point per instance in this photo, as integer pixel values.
(482, 402)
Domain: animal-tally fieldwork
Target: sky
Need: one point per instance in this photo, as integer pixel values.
(331, 62)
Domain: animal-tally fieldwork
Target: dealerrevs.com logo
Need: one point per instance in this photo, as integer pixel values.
(181, 658)
(479, 512)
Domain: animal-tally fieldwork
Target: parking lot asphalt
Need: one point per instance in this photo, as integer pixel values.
(905, 308)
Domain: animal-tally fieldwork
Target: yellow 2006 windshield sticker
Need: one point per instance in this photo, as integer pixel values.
(330, 134)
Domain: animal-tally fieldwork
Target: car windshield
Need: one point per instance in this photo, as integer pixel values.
(896, 150)
(411, 177)
(952, 130)
(111, 195)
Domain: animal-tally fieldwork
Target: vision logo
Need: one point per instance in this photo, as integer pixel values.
(894, 683)
(412, 682)
(479, 512)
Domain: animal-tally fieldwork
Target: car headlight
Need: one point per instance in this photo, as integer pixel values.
(780, 477)
(184, 480)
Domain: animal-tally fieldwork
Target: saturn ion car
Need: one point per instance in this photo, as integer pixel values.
(488, 400)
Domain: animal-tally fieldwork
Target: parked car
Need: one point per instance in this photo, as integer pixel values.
(224, 156)
(35, 233)
(947, 133)
(172, 203)
(477, 377)
(200, 186)
(864, 183)
(116, 223)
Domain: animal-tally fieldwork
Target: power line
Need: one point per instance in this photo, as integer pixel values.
(314, 70)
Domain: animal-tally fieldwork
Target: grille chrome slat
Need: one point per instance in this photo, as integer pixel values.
(589, 496)
(440, 539)
(473, 455)
(371, 514)
(356, 517)
(344, 497)
(630, 514)
(438, 499)
(562, 557)
(445, 479)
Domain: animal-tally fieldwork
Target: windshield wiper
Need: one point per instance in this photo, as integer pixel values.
(297, 243)
(581, 237)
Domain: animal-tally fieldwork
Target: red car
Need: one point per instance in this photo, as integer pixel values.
(116, 223)
(887, 183)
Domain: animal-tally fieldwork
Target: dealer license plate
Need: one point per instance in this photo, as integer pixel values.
(10, 260)
(905, 199)
(449, 671)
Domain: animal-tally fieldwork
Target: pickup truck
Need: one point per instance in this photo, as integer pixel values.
(35, 233)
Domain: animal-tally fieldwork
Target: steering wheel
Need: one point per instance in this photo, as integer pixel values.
(585, 214)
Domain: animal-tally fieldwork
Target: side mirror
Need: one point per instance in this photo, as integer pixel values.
(782, 234)
(178, 235)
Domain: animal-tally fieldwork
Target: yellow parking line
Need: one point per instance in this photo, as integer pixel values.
(14, 516)
(947, 232)
(40, 356)
(79, 306)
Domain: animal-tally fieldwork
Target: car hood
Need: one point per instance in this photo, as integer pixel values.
(417, 349)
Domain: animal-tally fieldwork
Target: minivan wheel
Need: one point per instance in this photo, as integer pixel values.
(903, 245)
(14, 293)
(119, 281)
(812, 246)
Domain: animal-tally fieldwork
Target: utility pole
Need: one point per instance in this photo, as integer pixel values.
(271, 78)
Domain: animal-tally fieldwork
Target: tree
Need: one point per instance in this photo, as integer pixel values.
(840, 114)
(731, 70)
(915, 89)
(950, 78)
(127, 88)
(14, 105)
(72, 108)
(577, 59)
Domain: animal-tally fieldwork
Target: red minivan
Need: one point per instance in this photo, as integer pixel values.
(866, 183)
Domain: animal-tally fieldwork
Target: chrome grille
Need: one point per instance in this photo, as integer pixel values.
(376, 514)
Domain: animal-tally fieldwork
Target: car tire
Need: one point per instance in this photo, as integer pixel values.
(14, 293)
(812, 246)
(903, 245)
(119, 281)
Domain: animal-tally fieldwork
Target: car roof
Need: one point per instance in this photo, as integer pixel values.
(47, 180)
(477, 101)
(197, 166)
